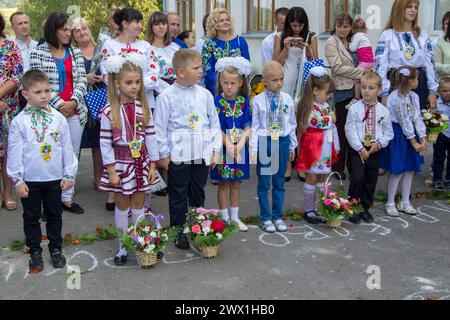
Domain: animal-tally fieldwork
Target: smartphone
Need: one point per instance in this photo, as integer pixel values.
(296, 42)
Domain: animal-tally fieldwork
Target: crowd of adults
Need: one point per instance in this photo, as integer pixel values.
(70, 55)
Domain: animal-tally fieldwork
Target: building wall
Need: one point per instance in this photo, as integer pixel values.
(375, 15)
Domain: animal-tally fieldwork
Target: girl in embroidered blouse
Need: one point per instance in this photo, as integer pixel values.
(404, 43)
(403, 156)
(317, 151)
(235, 120)
(127, 141)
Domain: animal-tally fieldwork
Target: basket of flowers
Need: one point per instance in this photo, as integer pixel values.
(435, 123)
(147, 238)
(207, 229)
(335, 205)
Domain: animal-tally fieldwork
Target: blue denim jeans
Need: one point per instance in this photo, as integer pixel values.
(272, 163)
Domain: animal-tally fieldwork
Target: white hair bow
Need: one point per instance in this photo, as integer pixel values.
(405, 72)
(242, 65)
(113, 64)
(318, 71)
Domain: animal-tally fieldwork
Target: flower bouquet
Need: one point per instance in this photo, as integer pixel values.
(335, 205)
(207, 229)
(435, 123)
(147, 238)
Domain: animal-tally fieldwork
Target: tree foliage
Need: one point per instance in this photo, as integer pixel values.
(96, 12)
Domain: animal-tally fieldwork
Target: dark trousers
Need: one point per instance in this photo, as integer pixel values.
(363, 178)
(186, 189)
(48, 195)
(441, 153)
(341, 118)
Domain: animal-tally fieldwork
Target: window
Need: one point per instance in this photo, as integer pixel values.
(212, 4)
(337, 7)
(185, 9)
(442, 6)
(260, 15)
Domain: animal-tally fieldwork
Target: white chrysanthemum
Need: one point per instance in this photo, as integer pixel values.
(219, 236)
(146, 229)
(444, 117)
(141, 240)
(241, 64)
(152, 247)
(427, 116)
(201, 217)
(153, 234)
(434, 121)
(114, 63)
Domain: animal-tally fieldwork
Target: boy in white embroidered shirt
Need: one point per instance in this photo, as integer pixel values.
(368, 129)
(41, 163)
(189, 138)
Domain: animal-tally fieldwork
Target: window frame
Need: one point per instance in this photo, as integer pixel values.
(212, 4)
(329, 4)
(182, 14)
(438, 19)
(249, 17)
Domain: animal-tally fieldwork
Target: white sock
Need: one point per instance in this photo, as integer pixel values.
(135, 213)
(406, 186)
(121, 223)
(234, 214)
(309, 196)
(392, 187)
(224, 214)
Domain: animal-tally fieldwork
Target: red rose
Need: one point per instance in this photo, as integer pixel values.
(314, 122)
(170, 71)
(218, 226)
(157, 241)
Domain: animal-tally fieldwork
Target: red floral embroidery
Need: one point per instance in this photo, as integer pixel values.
(314, 122)
(153, 78)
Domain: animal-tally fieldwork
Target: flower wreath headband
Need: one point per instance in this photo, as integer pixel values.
(113, 64)
(241, 64)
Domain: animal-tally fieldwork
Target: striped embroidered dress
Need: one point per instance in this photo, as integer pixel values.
(114, 145)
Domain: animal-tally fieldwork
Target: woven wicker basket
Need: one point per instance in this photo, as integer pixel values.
(147, 260)
(209, 251)
(334, 223)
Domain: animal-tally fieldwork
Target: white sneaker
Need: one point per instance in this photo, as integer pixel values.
(280, 225)
(407, 208)
(242, 226)
(268, 226)
(391, 211)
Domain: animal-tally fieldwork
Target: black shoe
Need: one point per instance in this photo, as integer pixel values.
(120, 260)
(110, 206)
(182, 242)
(161, 193)
(160, 255)
(355, 219)
(74, 208)
(311, 217)
(287, 179)
(439, 186)
(36, 263)
(366, 216)
(302, 179)
(43, 217)
(58, 259)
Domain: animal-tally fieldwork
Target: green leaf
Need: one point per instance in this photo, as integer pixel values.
(16, 245)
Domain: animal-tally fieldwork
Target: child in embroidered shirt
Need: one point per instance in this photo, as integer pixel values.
(442, 145)
(41, 163)
(318, 148)
(368, 130)
(360, 44)
(403, 157)
(127, 141)
(273, 128)
(235, 120)
(189, 138)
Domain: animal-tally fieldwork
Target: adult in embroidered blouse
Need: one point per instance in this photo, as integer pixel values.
(162, 48)
(221, 42)
(129, 21)
(11, 71)
(64, 65)
(442, 49)
(404, 43)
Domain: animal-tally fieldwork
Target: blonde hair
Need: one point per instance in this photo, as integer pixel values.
(270, 67)
(243, 91)
(182, 57)
(306, 103)
(372, 75)
(212, 21)
(397, 18)
(114, 98)
(77, 24)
